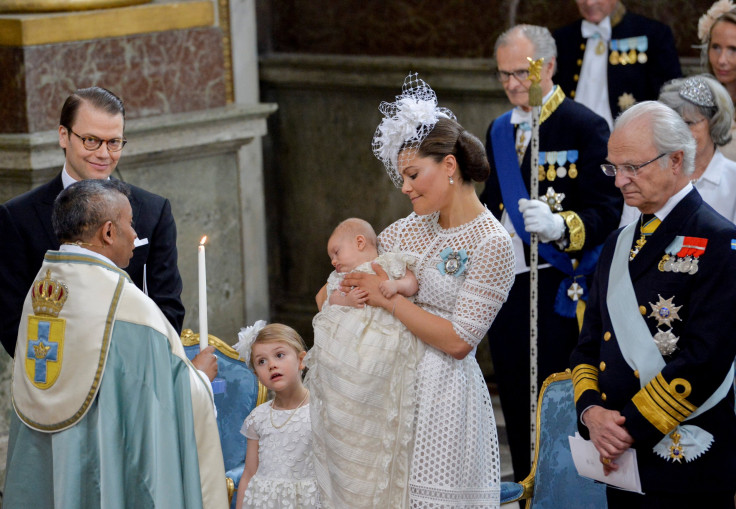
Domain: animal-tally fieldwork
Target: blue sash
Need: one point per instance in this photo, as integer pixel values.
(641, 353)
(513, 189)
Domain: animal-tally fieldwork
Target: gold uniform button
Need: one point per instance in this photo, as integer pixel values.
(582, 46)
(580, 62)
(642, 310)
(500, 206)
(603, 396)
(606, 336)
(603, 366)
(636, 373)
(576, 77)
(572, 93)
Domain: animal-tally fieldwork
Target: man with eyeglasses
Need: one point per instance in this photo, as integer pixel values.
(612, 58)
(653, 369)
(91, 133)
(579, 207)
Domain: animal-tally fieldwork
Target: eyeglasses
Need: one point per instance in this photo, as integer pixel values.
(691, 123)
(93, 142)
(504, 76)
(628, 170)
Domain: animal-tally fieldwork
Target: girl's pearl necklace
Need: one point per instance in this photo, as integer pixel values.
(290, 415)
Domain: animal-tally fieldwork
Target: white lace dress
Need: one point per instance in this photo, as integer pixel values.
(361, 377)
(285, 476)
(455, 461)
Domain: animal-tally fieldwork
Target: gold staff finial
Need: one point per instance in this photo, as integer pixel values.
(535, 76)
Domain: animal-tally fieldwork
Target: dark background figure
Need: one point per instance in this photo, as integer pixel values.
(575, 140)
(635, 56)
(91, 132)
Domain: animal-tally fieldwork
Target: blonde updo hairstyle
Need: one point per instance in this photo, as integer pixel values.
(279, 333)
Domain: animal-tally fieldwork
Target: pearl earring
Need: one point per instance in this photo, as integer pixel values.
(451, 180)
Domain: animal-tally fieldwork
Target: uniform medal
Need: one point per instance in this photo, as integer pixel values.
(553, 199)
(683, 255)
(665, 312)
(642, 45)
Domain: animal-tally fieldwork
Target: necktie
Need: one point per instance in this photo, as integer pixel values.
(647, 224)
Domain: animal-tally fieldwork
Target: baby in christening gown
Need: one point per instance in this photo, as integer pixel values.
(361, 379)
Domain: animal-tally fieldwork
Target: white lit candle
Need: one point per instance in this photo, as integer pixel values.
(202, 296)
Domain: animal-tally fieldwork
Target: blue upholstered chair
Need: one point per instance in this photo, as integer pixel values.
(241, 393)
(553, 482)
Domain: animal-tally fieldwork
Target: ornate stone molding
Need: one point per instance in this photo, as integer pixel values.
(33, 29)
(63, 5)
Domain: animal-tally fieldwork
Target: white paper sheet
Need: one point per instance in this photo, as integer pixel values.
(588, 464)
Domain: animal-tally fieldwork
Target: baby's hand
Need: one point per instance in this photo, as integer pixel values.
(388, 288)
(357, 297)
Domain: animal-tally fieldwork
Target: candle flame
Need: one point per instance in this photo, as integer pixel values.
(204, 239)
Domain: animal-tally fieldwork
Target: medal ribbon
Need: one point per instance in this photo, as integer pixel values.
(641, 353)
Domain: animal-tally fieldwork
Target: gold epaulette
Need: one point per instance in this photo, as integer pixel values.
(664, 404)
(584, 377)
(576, 228)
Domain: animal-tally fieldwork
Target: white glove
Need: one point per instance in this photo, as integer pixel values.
(539, 219)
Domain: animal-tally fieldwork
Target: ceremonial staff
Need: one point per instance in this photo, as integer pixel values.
(535, 102)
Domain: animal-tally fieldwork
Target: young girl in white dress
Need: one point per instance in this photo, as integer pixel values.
(279, 466)
(465, 269)
(361, 379)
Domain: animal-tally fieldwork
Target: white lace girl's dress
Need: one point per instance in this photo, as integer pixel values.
(455, 461)
(362, 373)
(285, 476)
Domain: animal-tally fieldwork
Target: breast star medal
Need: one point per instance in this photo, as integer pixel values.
(665, 312)
(553, 199)
(626, 101)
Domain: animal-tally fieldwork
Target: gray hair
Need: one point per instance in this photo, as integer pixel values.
(540, 37)
(670, 133)
(84, 206)
(719, 116)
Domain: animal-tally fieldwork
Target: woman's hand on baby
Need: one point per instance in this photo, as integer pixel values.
(388, 288)
(368, 282)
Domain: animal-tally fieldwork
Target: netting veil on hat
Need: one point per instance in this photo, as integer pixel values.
(408, 120)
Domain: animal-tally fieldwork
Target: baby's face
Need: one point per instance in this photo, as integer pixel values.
(345, 253)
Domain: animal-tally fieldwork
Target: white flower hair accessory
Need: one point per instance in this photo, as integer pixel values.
(407, 122)
(706, 21)
(246, 337)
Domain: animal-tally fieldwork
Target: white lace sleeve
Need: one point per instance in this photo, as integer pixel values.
(486, 287)
(249, 426)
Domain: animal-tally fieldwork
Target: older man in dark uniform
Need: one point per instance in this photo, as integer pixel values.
(613, 58)
(580, 208)
(653, 369)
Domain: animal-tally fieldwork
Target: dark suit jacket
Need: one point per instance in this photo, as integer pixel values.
(643, 81)
(26, 234)
(706, 347)
(592, 195)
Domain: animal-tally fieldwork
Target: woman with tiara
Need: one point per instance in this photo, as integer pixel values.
(465, 270)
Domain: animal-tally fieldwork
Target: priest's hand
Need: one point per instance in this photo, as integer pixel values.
(539, 219)
(206, 362)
